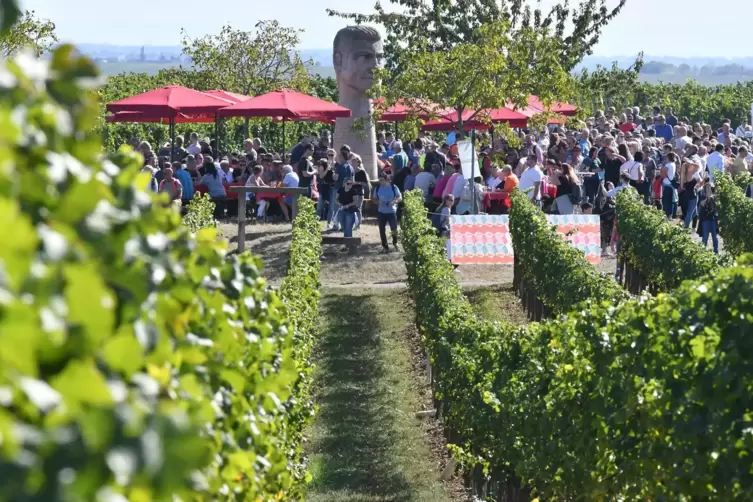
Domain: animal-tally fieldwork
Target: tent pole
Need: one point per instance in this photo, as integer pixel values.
(474, 207)
(283, 139)
(172, 139)
(216, 132)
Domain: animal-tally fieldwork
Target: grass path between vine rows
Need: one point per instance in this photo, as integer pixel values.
(366, 445)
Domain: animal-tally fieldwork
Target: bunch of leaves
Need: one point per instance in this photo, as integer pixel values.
(735, 209)
(645, 401)
(662, 251)
(138, 360)
(410, 24)
(300, 294)
(200, 213)
(559, 274)
(500, 67)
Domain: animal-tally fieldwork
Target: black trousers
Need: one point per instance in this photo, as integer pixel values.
(383, 219)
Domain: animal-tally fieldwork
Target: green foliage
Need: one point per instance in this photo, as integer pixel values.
(501, 67)
(137, 357)
(300, 294)
(662, 251)
(735, 209)
(613, 86)
(411, 24)
(648, 401)
(27, 32)
(200, 213)
(559, 274)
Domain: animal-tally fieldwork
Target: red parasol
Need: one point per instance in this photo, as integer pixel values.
(448, 121)
(233, 97)
(565, 109)
(290, 105)
(169, 101)
(143, 117)
(401, 111)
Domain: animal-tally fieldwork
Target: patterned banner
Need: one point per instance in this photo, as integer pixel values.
(485, 238)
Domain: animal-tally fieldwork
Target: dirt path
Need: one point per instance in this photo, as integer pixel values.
(367, 268)
(366, 445)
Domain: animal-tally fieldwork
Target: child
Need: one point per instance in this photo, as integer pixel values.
(587, 208)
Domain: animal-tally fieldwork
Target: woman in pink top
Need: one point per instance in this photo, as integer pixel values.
(442, 183)
(451, 183)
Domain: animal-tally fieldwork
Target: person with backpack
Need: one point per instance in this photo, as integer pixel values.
(388, 197)
(708, 215)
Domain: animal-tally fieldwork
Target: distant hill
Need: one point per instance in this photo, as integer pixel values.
(114, 59)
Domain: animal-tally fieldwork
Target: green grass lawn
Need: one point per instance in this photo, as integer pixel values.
(365, 443)
(497, 303)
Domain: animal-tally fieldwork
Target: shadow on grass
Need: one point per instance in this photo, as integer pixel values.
(357, 414)
(497, 303)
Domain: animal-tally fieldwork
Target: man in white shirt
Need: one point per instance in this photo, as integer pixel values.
(715, 162)
(425, 181)
(226, 173)
(194, 147)
(726, 134)
(532, 177)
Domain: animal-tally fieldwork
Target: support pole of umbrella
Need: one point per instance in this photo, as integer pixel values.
(396, 131)
(474, 207)
(216, 133)
(283, 140)
(172, 139)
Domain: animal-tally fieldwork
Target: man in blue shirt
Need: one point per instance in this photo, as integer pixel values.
(343, 170)
(185, 179)
(400, 159)
(663, 130)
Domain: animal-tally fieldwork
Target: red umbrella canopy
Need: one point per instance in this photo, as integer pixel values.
(169, 101)
(557, 106)
(447, 122)
(290, 105)
(142, 117)
(233, 97)
(401, 111)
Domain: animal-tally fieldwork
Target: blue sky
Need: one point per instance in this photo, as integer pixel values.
(652, 26)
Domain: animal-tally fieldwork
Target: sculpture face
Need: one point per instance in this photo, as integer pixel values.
(357, 61)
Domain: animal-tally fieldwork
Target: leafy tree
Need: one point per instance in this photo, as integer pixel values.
(29, 32)
(440, 25)
(608, 86)
(250, 62)
(498, 67)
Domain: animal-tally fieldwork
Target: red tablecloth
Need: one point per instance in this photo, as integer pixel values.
(230, 195)
(496, 200)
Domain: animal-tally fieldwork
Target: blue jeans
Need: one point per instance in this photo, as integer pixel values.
(385, 219)
(321, 204)
(347, 220)
(668, 203)
(692, 204)
(710, 227)
(331, 212)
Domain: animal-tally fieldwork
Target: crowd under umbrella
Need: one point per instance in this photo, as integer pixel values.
(287, 106)
(167, 103)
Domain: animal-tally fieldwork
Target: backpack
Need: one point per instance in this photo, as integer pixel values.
(576, 196)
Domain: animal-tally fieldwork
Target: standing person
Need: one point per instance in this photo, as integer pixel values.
(290, 180)
(324, 208)
(634, 169)
(388, 197)
(180, 172)
(305, 170)
(193, 146)
(669, 193)
(569, 185)
(347, 198)
(593, 164)
(690, 180)
(361, 185)
(532, 178)
(216, 188)
(343, 170)
(708, 216)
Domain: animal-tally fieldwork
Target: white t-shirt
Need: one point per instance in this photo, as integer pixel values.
(671, 169)
(494, 183)
(228, 176)
(529, 178)
(193, 149)
(633, 168)
(290, 180)
(424, 181)
(715, 162)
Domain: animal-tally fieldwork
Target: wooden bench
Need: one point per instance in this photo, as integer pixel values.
(351, 243)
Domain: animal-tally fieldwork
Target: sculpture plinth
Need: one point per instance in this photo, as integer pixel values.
(357, 51)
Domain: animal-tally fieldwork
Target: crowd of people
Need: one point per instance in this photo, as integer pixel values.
(670, 161)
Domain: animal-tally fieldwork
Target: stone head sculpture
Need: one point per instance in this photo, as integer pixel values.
(357, 51)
